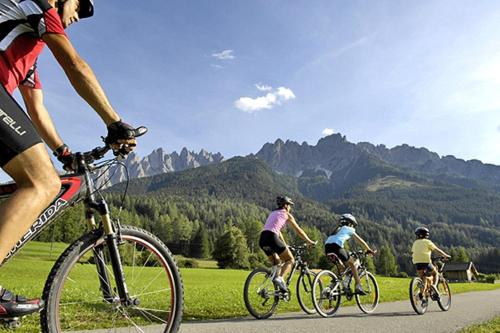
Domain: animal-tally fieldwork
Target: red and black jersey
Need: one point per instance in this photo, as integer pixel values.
(22, 24)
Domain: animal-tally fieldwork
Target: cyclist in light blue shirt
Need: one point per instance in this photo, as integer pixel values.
(335, 244)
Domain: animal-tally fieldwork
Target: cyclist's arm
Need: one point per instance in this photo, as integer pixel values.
(441, 252)
(81, 76)
(298, 230)
(33, 99)
(362, 242)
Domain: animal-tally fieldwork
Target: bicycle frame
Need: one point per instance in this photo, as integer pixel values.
(299, 264)
(70, 194)
(428, 279)
(346, 272)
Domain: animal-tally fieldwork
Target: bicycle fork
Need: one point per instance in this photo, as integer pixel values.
(111, 242)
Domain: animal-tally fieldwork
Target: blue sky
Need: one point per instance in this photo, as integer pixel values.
(229, 76)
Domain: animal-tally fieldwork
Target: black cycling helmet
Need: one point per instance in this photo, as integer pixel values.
(348, 219)
(281, 201)
(86, 8)
(422, 232)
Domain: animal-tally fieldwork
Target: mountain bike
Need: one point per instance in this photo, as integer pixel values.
(262, 296)
(114, 275)
(328, 288)
(438, 291)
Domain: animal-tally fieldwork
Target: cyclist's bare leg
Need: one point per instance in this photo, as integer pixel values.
(287, 257)
(354, 271)
(274, 259)
(37, 185)
(421, 275)
(434, 275)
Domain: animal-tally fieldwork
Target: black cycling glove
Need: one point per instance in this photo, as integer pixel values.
(65, 156)
(119, 131)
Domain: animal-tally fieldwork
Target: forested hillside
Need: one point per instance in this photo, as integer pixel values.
(194, 209)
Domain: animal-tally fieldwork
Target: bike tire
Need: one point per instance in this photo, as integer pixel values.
(444, 300)
(74, 298)
(259, 288)
(368, 303)
(326, 293)
(304, 292)
(418, 302)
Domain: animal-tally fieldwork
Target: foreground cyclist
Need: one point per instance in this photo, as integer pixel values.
(273, 243)
(335, 244)
(421, 256)
(25, 27)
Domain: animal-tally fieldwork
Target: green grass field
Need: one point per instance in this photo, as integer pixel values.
(492, 326)
(209, 293)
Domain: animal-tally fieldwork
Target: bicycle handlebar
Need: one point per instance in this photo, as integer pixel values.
(99, 152)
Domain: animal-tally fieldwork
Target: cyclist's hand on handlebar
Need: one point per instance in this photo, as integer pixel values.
(371, 252)
(312, 243)
(66, 157)
(121, 137)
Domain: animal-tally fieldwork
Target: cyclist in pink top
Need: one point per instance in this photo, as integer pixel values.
(272, 241)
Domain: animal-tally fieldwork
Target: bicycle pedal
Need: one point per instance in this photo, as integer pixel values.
(11, 323)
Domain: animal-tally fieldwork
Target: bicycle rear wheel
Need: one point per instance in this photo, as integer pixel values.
(418, 300)
(74, 296)
(444, 300)
(326, 293)
(304, 292)
(259, 294)
(367, 303)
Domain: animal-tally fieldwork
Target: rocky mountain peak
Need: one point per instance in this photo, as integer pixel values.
(159, 162)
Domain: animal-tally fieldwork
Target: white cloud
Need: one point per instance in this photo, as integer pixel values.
(224, 55)
(327, 132)
(263, 87)
(216, 66)
(498, 128)
(285, 93)
(268, 101)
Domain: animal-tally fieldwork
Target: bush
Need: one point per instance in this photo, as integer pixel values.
(257, 260)
(490, 278)
(402, 275)
(188, 263)
(324, 263)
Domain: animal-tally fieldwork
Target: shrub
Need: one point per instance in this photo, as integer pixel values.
(490, 278)
(188, 263)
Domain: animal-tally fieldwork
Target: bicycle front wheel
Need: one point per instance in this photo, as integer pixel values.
(76, 300)
(367, 303)
(418, 300)
(259, 294)
(444, 300)
(326, 293)
(304, 292)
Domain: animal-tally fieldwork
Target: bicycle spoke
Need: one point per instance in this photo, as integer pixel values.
(150, 283)
(147, 312)
(152, 292)
(131, 321)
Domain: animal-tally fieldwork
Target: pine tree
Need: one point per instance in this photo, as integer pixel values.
(386, 263)
(200, 244)
(231, 249)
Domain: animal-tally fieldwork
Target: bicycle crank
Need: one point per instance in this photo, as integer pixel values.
(11, 323)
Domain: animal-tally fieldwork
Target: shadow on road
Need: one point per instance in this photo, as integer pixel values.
(287, 317)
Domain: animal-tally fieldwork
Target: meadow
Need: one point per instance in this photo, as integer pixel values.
(209, 293)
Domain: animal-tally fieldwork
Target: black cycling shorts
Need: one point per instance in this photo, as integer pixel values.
(271, 243)
(339, 251)
(16, 130)
(428, 268)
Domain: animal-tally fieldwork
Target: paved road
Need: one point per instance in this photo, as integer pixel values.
(398, 317)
